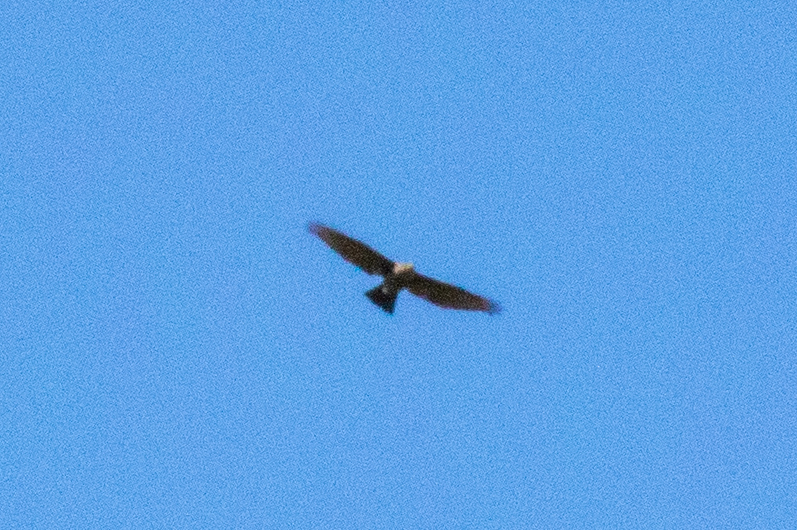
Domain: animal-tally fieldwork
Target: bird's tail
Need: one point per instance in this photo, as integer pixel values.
(383, 297)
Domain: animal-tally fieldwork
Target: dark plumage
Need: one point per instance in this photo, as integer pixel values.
(398, 276)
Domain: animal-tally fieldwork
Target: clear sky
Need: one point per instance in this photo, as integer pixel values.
(177, 351)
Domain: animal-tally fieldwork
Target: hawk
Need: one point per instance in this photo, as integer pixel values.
(398, 276)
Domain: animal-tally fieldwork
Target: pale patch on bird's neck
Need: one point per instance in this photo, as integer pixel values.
(400, 268)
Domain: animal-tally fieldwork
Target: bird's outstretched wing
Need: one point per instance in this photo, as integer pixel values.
(449, 296)
(353, 251)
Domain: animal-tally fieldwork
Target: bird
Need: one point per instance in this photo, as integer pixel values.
(398, 276)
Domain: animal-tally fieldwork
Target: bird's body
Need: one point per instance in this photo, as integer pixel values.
(385, 295)
(398, 276)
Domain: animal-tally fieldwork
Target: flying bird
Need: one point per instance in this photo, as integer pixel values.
(398, 276)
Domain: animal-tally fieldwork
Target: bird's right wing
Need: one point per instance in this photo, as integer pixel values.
(449, 296)
(353, 251)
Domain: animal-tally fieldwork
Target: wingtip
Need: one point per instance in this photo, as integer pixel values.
(317, 229)
(493, 307)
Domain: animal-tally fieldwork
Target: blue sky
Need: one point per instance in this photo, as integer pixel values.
(177, 351)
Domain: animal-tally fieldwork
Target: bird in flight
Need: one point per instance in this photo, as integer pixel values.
(398, 276)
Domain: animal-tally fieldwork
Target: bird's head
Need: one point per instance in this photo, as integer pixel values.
(402, 268)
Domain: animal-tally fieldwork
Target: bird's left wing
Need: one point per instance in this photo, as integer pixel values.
(449, 296)
(352, 250)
